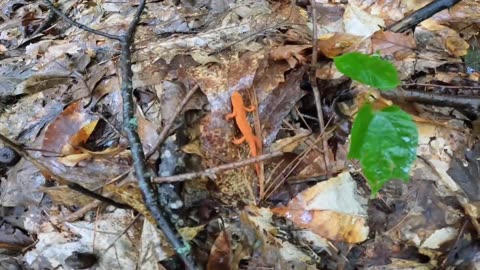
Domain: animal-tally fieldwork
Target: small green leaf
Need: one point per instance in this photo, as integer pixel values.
(368, 69)
(385, 142)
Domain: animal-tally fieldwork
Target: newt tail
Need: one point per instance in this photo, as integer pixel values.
(239, 112)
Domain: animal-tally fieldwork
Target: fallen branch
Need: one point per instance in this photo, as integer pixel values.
(422, 14)
(213, 171)
(64, 17)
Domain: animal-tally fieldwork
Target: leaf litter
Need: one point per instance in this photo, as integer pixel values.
(60, 100)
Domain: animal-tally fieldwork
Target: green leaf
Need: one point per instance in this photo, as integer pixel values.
(385, 142)
(368, 69)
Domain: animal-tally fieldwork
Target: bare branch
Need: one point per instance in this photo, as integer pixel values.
(166, 129)
(60, 14)
(212, 171)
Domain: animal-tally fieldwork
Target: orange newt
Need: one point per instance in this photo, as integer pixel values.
(240, 114)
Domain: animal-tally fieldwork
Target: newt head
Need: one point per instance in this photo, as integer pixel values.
(237, 98)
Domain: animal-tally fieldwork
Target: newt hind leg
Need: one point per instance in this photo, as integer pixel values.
(250, 108)
(239, 140)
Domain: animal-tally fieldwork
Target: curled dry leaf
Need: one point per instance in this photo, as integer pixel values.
(221, 253)
(72, 127)
(189, 233)
(74, 159)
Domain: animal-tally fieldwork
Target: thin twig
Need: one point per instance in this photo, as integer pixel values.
(60, 14)
(316, 92)
(80, 212)
(44, 25)
(124, 231)
(289, 168)
(168, 126)
(212, 171)
(46, 171)
(112, 126)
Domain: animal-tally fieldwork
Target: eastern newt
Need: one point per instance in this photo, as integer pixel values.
(239, 112)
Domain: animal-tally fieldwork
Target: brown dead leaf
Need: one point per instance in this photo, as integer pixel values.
(73, 159)
(147, 132)
(399, 45)
(269, 75)
(69, 125)
(279, 103)
(331, 209)
(221, 253)
(441, 37)
(462, 12)
(79, 138)
(335, 44)
(329, 224)
(291, 53)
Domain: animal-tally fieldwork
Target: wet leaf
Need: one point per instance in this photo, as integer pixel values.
(385, 142)
(370, 70)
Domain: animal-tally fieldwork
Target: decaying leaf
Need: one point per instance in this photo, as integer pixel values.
(68, 126)
(331, 209)
(220, 255)
(360, 23)
(271, 251)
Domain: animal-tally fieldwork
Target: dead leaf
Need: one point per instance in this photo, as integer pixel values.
(330, 209)
(291, 143)
(69, 124)
(360, 23)
(397, 44)
(441, 37)
(335, 44)
(221, 253)
(291, 53)
(189, 233)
